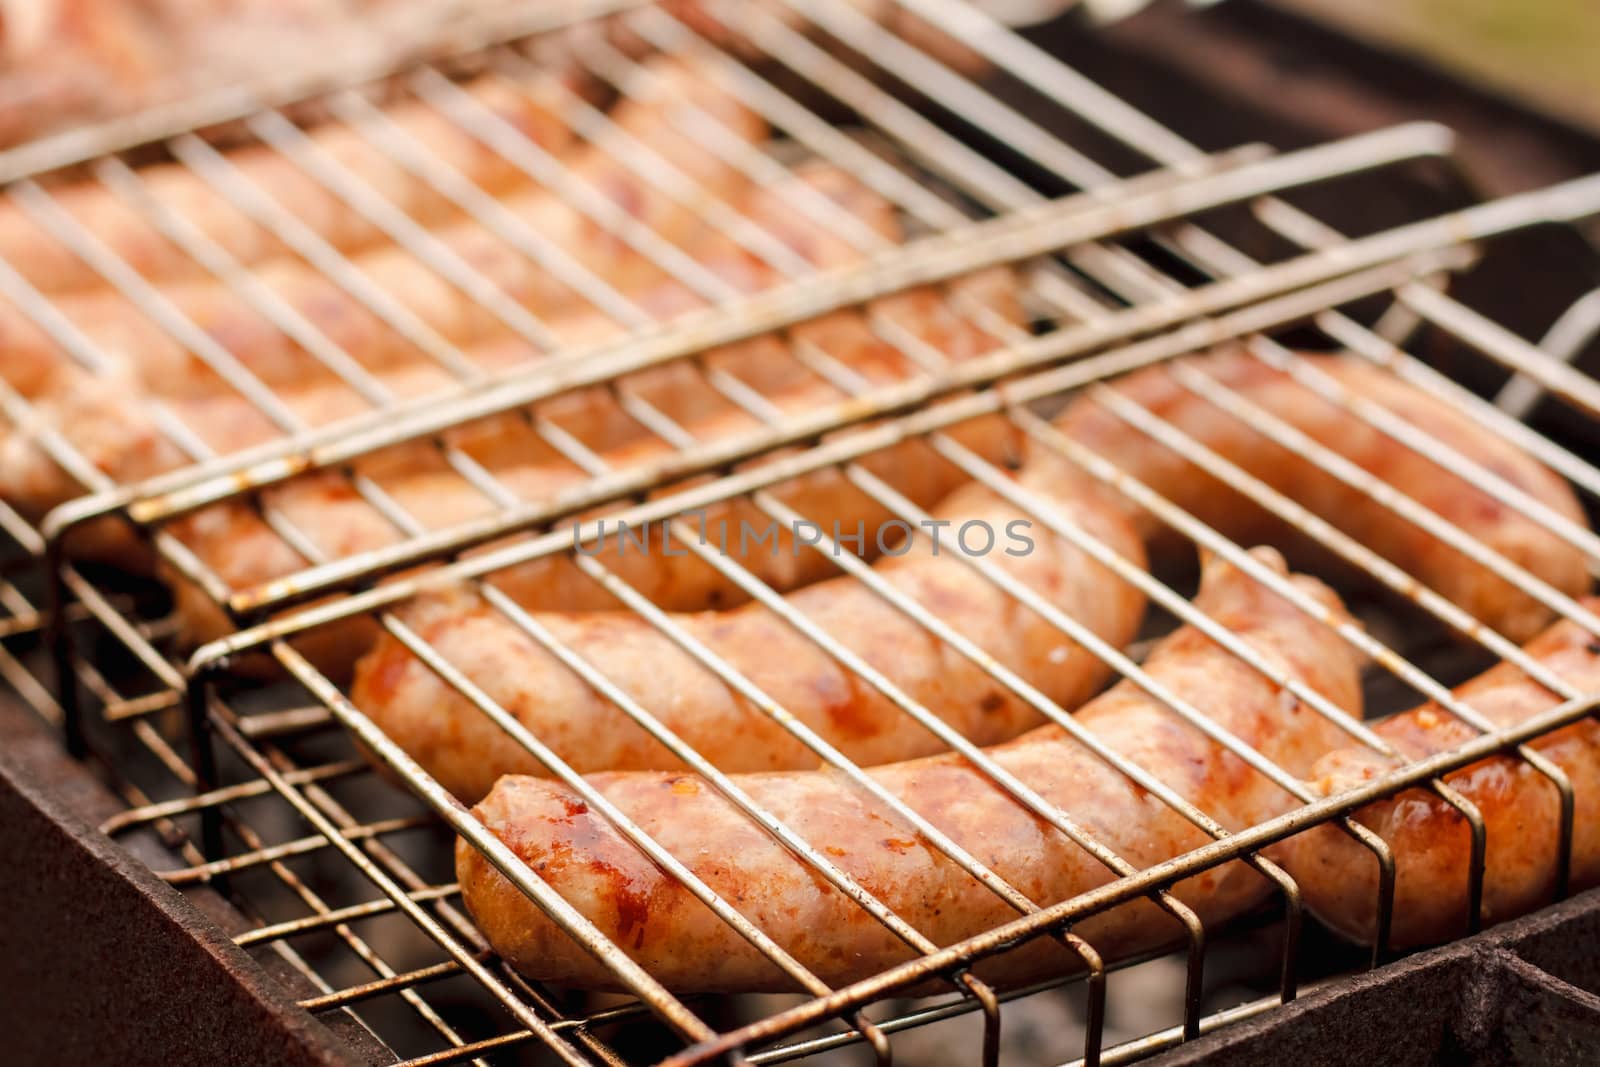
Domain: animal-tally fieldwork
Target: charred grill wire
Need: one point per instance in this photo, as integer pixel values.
(1128, 272)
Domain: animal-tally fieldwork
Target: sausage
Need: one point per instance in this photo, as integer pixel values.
(64, 62)
(116, 431)
(110, 420)
(530, 466)
(681, 943)
(1431, 840)
(234, 540)
(710, 21)
(72, 61)
(237, 544)
(1090, 425)
(112, 424)
(142, 351)
(1473, 509)
(68, 62)
(245, 551)
(466, 752)
(50, 266)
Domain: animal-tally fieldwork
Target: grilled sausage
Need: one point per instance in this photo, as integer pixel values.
(245, 553)
(731, 27)
(71, 61)
(1431, 840)
(140, 350)
(111, 421)
(683, 945)
(1473, 509)
(64, 62)
(466, 752)
(52, 267)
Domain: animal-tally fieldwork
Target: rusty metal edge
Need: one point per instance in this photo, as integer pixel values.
(1529, 981)
(100, 960)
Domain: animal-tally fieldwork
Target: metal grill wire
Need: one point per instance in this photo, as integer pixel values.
(1122, 274)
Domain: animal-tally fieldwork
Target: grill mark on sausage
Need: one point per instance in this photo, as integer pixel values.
(690, 950)
(1430, 838)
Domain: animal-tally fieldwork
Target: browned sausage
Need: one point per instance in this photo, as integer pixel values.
(111, 421)
(70, 61)
(1431, 840)
(711, 20)
(531, 467)
(64, 62)
(682, 944)
(1091, 425)
(243, 551)
(1474, 510)
(530, 107)
(142, 351)
(466, 752)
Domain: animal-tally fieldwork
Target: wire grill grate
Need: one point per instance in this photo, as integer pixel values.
(272, 805)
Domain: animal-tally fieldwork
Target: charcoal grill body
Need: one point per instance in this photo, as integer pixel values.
(100, 960)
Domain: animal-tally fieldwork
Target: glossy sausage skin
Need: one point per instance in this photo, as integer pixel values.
(466, 752)
(65, 62)
(530, 107)
(1431, 840)
(111, 420)
(732, 27)
(245, 552)
(69, 62)
(1473, 509)
(140, 350)
(681, 942)
(532, 468)
(239, 546)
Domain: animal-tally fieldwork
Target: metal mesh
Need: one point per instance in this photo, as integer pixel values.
(351, 883)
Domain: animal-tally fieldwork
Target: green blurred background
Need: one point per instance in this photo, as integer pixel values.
(1547, 51)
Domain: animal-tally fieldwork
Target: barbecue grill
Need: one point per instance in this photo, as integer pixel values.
(318, 915)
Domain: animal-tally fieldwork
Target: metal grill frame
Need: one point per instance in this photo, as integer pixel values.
(298, 785)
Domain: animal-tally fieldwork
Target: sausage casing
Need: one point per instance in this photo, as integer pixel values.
(1472, 508)
(139, 349)
(531, 107)
(467, 752)
(1431, 840)
(111, 421)
(681, 942)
